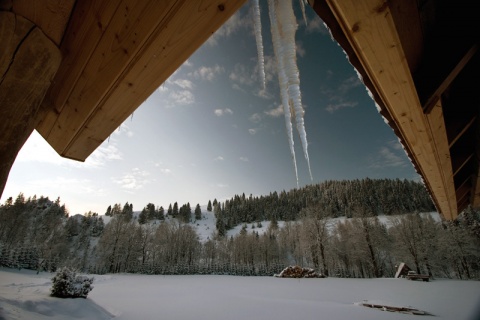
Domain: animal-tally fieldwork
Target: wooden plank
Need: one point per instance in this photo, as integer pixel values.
(131, 24)
(456, 130)
(432, 87)
(371, 31)
(85, 30)
(442, 154)
(23, 84)
(51, 16)
(139, 50)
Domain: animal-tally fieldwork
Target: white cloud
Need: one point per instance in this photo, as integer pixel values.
(235, 23)
(300, 50)
(349, 84)
(277, 112)
(244, 159)
(256, 117)
(389, 156)
(184, 83)
(339, 98)
(316, 25)
(222, 185)
(219, 158)
(252, 131)
(134, 180)
(181, 97)
(337, 106)
(221, 112)
(207, 73)
(165, 171)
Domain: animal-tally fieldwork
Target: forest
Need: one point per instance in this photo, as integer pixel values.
(359, 228)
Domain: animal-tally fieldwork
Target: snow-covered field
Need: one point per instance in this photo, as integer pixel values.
(25, 295)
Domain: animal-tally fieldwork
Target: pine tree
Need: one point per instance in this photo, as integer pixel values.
(209, 206)
(198, 212)
(108, 213)
(170, 210)
(161, 213)
(143, 216)
(175, 209)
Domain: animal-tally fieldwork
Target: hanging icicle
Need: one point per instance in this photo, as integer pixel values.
(283, 28)
(257, 24)
(282, 79)
(302, 6)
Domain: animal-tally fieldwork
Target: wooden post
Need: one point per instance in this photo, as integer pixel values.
(28, 62)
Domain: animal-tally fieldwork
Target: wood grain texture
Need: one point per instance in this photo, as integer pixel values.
(31, 66)
(142, 45)
(51, 16)
(371, 31)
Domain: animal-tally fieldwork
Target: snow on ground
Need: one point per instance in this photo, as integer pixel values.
(25, 295)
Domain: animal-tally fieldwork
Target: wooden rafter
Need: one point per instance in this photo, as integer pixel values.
(371, 32)
(120, 52)
(438, 72)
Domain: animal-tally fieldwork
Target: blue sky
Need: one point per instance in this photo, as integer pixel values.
(211, 132)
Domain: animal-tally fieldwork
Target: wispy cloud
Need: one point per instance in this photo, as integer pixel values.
(340, 105)
(391, 155)
(244, 159)
(316, 25)
(134, 180)
(219, 158)
(165, 171)
(180, 97)
(184, 83)
(221, 112)
(256, 117)
(338, 99)
(207, 73)
(276, 112)
(234, 24)
(300, 49)
(222, 185)
(252, 131)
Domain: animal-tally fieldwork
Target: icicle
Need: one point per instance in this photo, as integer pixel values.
(302, 5)
(288, 27)
(282, 79)
(257, 23)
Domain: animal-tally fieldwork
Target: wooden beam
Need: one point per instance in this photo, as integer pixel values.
(28, 62)
(460, 161)
(439, 70)
(142, 45)
(51, 16)
(371, 31)
(457, 130)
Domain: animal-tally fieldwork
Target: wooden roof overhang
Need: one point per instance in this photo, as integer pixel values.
(418, 58)
(115, 55)
(420, 61)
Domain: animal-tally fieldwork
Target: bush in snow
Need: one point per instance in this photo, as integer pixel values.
(67, 284)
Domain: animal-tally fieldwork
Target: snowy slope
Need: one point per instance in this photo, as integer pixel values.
(25, 295)
(206, 227)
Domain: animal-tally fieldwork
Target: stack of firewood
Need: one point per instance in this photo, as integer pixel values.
(298, 272)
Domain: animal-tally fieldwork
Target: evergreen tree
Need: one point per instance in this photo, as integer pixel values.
(175, 209)
(127, 211)
(209, 206)
(198, 212)
(170, 210)
(108, 213)
(143, 216)
(161, 213)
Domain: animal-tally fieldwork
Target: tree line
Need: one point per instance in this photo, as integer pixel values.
(334, 198)
(39, 234)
